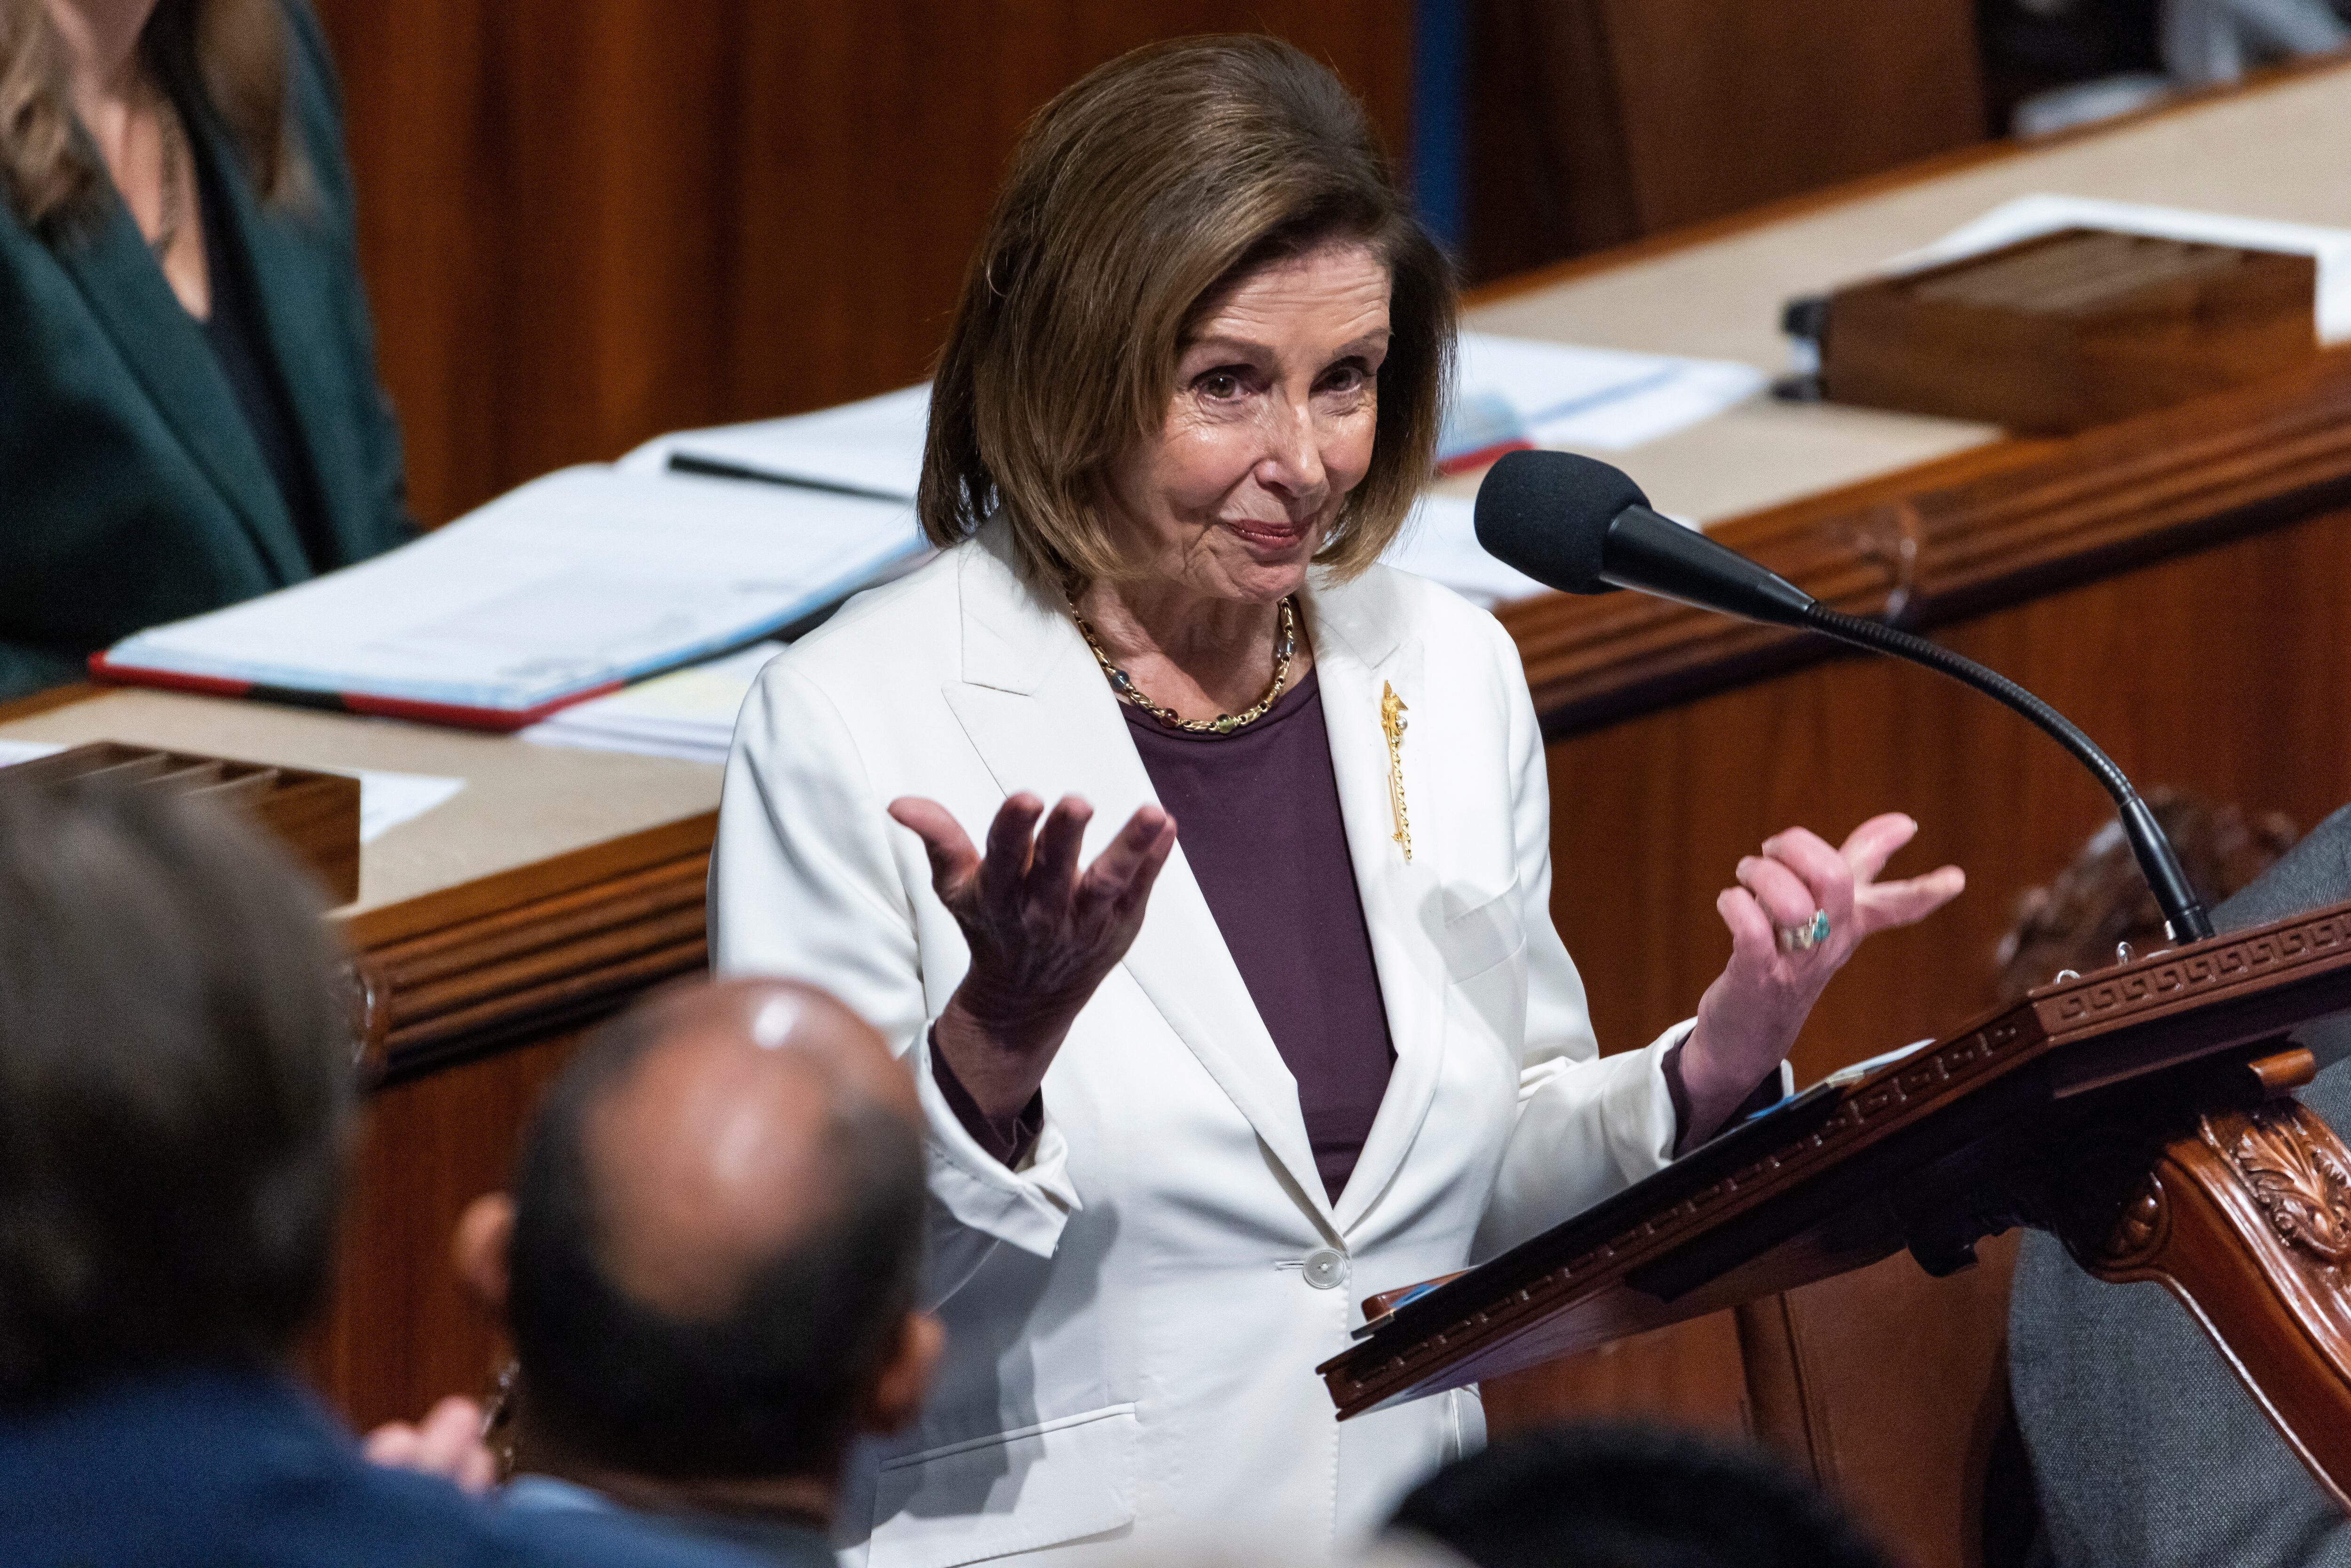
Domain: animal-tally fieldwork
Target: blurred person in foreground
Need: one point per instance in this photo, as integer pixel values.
(708, 1266)
(189, 409)
(177, 1105)
(1628, 1497)
(2147, 1450)
(1187, 1105)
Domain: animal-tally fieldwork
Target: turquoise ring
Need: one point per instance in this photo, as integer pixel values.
(1805, 937)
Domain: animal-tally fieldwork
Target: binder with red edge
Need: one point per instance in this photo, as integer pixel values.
(459, 716)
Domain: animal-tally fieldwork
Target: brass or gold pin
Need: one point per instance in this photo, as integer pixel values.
(1393, 721)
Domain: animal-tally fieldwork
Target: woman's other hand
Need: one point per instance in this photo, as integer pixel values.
(1042, 933)
(1749, 1018)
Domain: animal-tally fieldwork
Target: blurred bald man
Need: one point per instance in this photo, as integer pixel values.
(709, 1266)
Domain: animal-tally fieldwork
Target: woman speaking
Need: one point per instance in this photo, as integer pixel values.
(1301, 1029)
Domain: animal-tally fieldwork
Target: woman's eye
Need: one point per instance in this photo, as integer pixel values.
(1219, 386)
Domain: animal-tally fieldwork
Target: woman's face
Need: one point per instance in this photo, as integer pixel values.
(1276, 405)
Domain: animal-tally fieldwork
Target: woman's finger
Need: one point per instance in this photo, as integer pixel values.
(1783, 895)
(1010, 838)
(1869, 846)
(1053, 868)
(1826, 875)
(1752, 939)
(1122, 875)
(1887, 905)
(948, 846)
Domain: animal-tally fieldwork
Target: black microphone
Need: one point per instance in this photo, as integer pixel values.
(1577, 524)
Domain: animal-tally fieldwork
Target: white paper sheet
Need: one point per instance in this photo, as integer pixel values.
(1439, 542)
(873, 446)
(15, 751)
(1564, 395)
(386, 800)
(687, 713)
(587, 577)
(2029, 217)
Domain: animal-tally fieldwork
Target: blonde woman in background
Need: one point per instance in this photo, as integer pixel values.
(189, 409)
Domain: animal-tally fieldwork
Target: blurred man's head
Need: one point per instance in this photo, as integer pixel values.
(710, 1258)
(1628, 1497)
(176, 1089)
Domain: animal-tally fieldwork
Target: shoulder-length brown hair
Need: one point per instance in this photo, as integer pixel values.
(1136, 198)
(233, 51)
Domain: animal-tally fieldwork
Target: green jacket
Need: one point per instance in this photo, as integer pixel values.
(133, 490)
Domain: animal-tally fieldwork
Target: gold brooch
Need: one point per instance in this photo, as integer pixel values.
(1392, 721)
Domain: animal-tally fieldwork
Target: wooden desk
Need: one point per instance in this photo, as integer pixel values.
(2177, 584)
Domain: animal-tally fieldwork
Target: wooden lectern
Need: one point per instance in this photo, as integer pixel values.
(2142, 1114)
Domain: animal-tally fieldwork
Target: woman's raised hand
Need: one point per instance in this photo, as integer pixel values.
(1749, 1018)
(1042, 933)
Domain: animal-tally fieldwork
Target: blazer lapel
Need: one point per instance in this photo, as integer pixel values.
(300, 337)
(1360, 651)
(166, 352)
(1043, 719)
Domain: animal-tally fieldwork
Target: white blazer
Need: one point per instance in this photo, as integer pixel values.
(1134, 1316)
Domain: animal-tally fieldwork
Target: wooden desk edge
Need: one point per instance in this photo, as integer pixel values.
(467, 968)
(1964, 534)
(450, 974)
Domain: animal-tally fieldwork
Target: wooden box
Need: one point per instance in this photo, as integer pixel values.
(315, 815)
(2072, 330)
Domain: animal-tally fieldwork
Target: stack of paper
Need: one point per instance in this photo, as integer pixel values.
(1439, 542)
(872, 447)
(571, 586)
(1519, 392)
(687, 713)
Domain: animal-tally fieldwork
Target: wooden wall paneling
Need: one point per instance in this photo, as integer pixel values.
(1888, 1387)
(1689, 1375)
(1729, 105)
(400, 1335)
(1548, 174)
(584, 223)
(1597, 122)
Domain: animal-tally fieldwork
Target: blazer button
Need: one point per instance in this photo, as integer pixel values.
(1325, 1269)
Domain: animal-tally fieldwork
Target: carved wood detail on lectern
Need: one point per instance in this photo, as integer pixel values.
(2299, 1183)
(2246, 1218)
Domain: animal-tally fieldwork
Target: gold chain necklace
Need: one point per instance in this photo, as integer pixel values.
(1285, 645)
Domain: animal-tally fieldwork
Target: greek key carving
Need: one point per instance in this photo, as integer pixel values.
(2160, 980)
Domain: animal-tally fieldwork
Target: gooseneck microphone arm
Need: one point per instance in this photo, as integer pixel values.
(2182, 910)
(1580, 525)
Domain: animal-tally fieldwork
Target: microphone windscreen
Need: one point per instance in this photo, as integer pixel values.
(1547, 513)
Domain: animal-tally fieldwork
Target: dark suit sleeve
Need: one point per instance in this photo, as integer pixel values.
(320, 102)
(2147, 1452)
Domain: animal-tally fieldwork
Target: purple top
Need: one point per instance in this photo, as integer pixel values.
(1256, 812)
